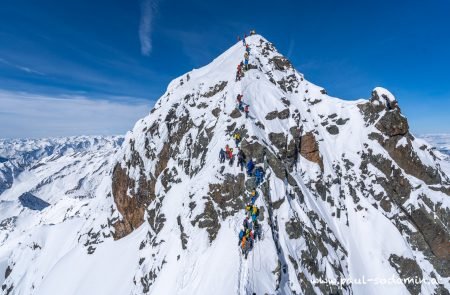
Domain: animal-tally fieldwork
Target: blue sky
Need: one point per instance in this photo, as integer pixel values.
(95, 67)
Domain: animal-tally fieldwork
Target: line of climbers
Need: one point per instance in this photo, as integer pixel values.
(242, 106)
(251, 230)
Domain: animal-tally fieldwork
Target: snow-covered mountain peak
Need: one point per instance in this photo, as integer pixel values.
(347, 192)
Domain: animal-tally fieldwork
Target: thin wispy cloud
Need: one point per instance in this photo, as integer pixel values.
(20, 67)
(148, 8)
(32, 115)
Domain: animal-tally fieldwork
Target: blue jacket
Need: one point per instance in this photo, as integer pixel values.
(241, 234)
(250, 165)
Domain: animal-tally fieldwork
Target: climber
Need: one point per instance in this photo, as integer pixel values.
(237, 138)
(246, 56)
(241, 159)
(248, 210)
(257, 230)
(241, 106)
(254, 196)
(255, 213)
(231, 157)
(227, 151)
(246, 111)
(250, 167)
(259, 175)
(243, 244)
(238, 73)
(245, 247)
(222, 155)
(245, 223)
(241, 235)
(243, 40)
(250, 226)
(239, 98)
(247, 49)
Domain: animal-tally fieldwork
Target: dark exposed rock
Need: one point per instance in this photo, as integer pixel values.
(281, 63)
(209, 219)
(407, 269)
(216, 112)
(395, 184)
(255, 149)
(260, 125)
(341, 121)
(284, 114)
(434, 233)
(272, 115)
(229, 194)
(371, 112)
(392, 124)
(407, 158)
(183, 236)
(385, 204)
(309, 149)
(216, 89)
(323, 91)
(333, 129)
(286, 101)
(278, 203)
(132, 212)
(279, 141)
(235, 114)
(293, 229)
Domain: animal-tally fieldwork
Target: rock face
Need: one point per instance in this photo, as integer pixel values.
(130, 208)
(347, 192)
(309, 149)
(393, 124)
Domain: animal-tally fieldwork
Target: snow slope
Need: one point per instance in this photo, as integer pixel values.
(348, 193)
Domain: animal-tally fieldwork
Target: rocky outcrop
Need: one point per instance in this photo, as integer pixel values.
(333, 129)
(392, 124)
(280, 63)
(284, 114)
(216, 89)
(132, 212)
(309, 149)
(209, 219)
(406, 157)
(235, 114)
(229, 195)
(409, 271)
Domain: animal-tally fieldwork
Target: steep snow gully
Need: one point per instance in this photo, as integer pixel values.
(340, 197)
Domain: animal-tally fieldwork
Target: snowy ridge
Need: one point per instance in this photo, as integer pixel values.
(348, 192)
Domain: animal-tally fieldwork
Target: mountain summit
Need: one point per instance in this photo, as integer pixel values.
(345, 193)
